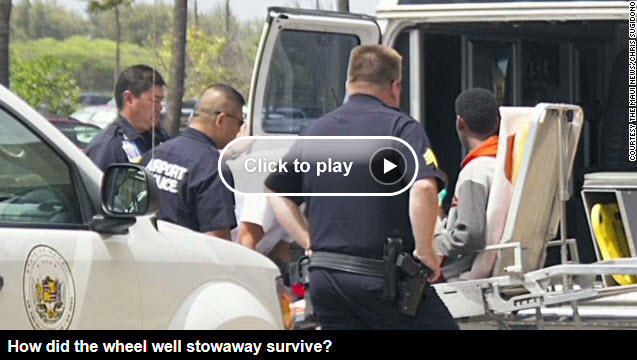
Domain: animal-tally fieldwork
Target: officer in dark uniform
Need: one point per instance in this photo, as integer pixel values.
(186, 171)
(358, 226)
(139, 93)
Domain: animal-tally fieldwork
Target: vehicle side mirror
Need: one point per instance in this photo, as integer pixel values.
(129, 191)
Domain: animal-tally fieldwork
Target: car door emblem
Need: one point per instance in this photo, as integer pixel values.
(49, 291)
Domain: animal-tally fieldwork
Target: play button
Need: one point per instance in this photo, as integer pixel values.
(387, 166)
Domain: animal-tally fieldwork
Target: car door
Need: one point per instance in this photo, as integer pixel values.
(301, 66)
(56, 273)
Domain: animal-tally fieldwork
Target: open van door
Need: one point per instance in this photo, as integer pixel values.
(301, 66)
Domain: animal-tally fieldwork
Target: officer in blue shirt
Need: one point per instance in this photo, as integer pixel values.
(139, 93)
(358, 226)
(185, 168)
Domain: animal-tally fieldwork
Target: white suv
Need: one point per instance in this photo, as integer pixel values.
(76, 252)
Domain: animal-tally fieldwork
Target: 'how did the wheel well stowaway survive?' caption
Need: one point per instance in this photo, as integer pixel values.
(178, 346)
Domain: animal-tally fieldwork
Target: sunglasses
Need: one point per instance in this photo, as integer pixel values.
(217, 113)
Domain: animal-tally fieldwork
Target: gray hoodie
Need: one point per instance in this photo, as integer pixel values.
(464, 233)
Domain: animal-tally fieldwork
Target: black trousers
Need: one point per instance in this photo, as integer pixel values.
(346, 301)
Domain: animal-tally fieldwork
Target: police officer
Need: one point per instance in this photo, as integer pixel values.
(185, 168)
(358, 226)
(139, 93)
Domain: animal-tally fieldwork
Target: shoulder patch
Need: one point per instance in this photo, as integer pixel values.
(430, 158)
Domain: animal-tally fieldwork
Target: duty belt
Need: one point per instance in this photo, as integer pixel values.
(347, 263)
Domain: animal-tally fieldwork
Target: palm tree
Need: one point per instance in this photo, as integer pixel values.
(98, 6)
(176, 85)
(227, 16)
(196, 16)
(5, 16)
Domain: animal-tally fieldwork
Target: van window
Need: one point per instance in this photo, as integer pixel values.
(306, 79)
(492, 68)
(544, 72)
(35, 183)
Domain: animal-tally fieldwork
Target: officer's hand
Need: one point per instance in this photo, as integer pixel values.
(436, 277)
(432, 262)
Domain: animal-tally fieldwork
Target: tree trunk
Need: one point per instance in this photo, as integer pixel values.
(342, 5)
(176, 85)
(118, 39)
(5, 16)
(227, 16)
(27, 18)
(196, 15)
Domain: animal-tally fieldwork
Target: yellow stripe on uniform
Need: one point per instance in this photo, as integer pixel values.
(430, 158)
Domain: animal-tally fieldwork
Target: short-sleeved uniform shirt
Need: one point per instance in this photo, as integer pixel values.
(120, 142)
(358, 225)
(191, 191)
(256, 210)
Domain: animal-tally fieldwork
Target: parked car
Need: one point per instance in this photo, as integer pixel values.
(92, 98)
(78, 132)
(82, 249)
(101, 115)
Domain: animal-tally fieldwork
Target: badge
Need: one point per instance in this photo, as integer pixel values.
(131, 150)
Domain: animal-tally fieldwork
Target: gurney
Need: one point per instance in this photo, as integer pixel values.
(527, 206)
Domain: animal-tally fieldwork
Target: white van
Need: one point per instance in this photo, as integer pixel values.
(525, 52)
(82, 250)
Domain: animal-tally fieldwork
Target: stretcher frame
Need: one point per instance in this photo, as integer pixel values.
(537, 206)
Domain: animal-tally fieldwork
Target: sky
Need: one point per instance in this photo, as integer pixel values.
(251, 9)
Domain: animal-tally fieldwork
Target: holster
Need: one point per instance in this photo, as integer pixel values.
(413, 284)
(393, 247)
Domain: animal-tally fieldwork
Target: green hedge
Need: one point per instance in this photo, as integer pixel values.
(94, 59)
